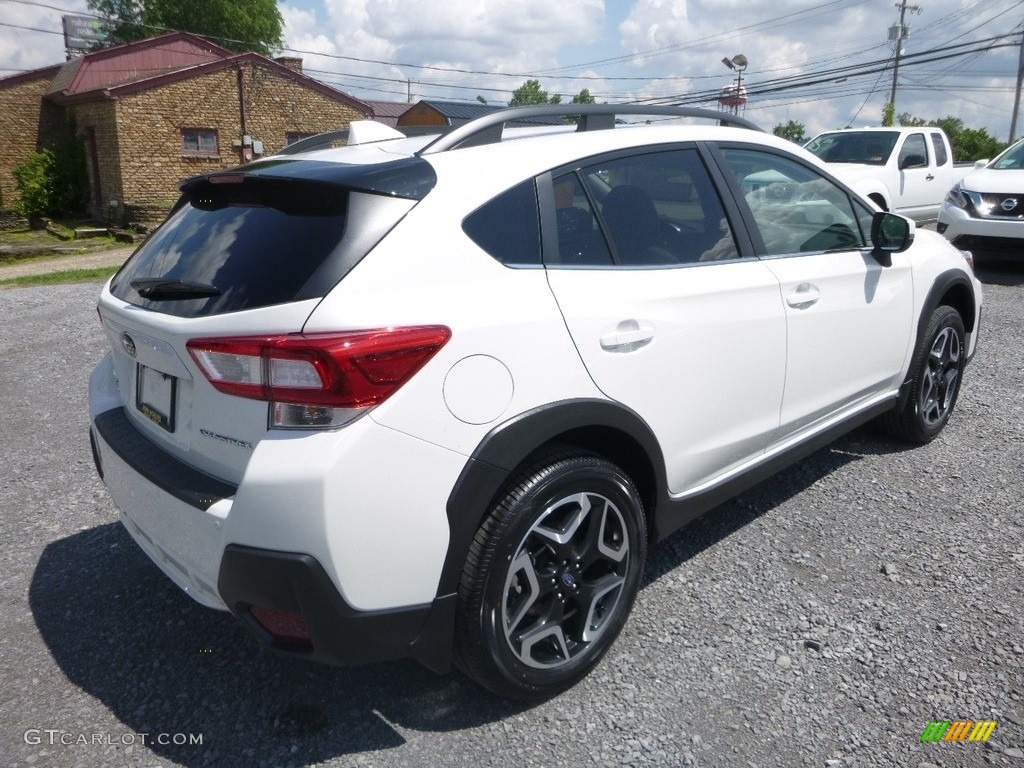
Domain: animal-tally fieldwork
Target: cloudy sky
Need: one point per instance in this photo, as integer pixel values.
(663, 51)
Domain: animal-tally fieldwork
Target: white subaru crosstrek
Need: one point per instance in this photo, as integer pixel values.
(436, 396)
(984, 211)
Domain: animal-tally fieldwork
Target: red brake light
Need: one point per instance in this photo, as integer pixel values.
(285, 627)
(344, 370)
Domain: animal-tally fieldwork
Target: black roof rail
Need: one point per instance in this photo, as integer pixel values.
(593, 117)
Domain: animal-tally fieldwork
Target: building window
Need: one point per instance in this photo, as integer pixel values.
(199, 141)
(293, 136)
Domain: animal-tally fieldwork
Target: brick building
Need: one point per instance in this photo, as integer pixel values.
(156, 111)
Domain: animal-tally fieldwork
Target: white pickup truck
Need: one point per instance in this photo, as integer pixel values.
(903, 170)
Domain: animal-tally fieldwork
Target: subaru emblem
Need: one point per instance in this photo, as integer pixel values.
(129, 344)
(1008, 204)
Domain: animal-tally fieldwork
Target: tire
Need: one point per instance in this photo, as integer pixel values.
(551, 577)
(937, 370)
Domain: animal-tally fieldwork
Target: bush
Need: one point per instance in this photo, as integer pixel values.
(35, 183)
(54, 181)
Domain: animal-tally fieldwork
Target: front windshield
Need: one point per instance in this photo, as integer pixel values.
(1011, 159)
(862, 147)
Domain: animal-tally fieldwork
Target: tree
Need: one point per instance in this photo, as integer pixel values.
(888, 111)
(238, 25)
(968, 143)
(907, 120)
(583, 97)
(792, 130)
(530, 92)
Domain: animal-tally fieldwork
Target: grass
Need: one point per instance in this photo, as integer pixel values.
(7, 260)
(95, 274)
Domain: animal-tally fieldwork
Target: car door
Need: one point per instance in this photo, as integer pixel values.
(920, 193)
(668, 316)
(848, 318)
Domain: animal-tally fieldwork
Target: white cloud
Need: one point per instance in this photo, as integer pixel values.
(509, 37)
(23, 49)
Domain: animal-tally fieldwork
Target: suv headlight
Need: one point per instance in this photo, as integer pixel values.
(956, 196)
(971, 202)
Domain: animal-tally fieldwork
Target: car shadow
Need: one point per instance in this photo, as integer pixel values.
(733, 515)
(162, 664)
(998, 271)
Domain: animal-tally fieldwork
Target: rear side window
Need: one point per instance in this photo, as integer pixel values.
(649, 210)
(940, 149)
(508, 226)
(246, 245)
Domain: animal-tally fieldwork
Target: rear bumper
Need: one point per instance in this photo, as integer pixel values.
(338, 633)
(166, 506)
(336, 513)
(172, 502)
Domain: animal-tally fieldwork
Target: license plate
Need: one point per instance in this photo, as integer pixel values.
(155, 395)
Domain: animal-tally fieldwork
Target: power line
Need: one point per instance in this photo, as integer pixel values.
(808, 82)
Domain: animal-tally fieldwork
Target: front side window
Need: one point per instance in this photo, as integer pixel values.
(292, 137)
(199, 141)
(656, 209)
(914, 153)
(796, 209)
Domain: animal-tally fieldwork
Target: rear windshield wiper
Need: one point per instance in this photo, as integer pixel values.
(166, 289)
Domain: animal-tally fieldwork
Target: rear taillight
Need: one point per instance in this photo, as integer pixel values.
(317, 380)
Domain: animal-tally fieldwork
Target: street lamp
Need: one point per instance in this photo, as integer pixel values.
(735, 96)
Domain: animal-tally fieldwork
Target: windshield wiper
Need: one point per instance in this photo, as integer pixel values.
(165, 289)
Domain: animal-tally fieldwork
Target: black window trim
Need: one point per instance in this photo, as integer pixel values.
(549, 229)
(749, 223)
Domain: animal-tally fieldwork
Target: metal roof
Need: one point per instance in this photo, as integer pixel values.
(157, 61)
(388, 112)
(134, 61)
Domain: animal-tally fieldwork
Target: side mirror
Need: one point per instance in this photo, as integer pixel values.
(913, 161)
(890, 234)
(979, 164)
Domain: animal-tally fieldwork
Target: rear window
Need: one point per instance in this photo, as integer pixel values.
(252, 244)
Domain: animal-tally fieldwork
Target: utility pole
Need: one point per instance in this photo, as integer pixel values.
(901, 34)
(1016, 98)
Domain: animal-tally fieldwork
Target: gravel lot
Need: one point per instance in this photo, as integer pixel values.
(822, 619)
